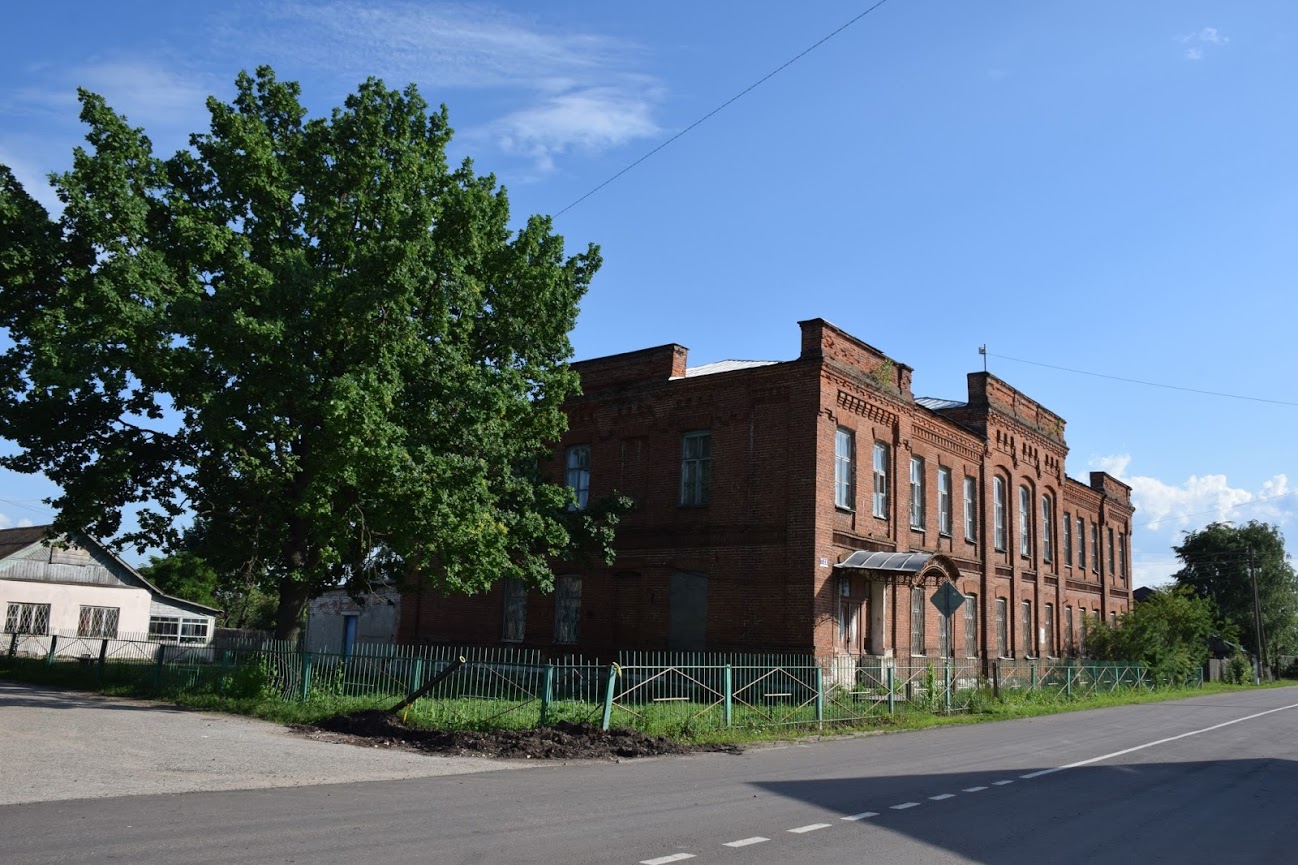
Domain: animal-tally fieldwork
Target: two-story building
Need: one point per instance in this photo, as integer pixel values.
(813, 505)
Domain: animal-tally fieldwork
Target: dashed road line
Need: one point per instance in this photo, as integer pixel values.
(864, 815)
(974, 789)
(663, 860)
(744, 842)
(811, 827)
(904, 805)
(1003, 783)
(939, 797)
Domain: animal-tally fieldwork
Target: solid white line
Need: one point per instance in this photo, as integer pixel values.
(862, 816)
(974, 789)
(1158, 742)
(663, 860)
(1001, 783)
(904, 805)
(744, 842)
(809, 828)
(942, 796)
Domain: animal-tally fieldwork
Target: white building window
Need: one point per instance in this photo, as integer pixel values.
(1025, 522)
(1025, 628)
(917, 492)
(696, 468)
(998, 511)
(177, 629)
(1002, 640)
(1095, 548)
(944, 500)
(880, 480)
(970, 508)
(1068, 538)
(845, 469)
(1047, 529)
(1081, 543)
(578, 474)
(27, 619)
(98, 622)
(917, 621)
(971, 626)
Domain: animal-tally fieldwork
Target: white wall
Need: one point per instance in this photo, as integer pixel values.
(66, 601)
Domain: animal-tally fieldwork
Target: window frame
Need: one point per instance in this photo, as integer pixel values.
(1048, 625)
(513, 610)
(1068, 539)
(1112, 568)
(1047, 528)
(567, 609)
(998, 511)
(879, 498)
(1122, 556)
(845, 469)
(1095, 548)
(971, 648)
(971, 508)
(696, 469)
(29, 619)
(577, 477)
(181, 630)
(95, 622)
(1081, 542)
(944, 500)
(1002, 628)
(917, 493)
(1025, 522)
(1028, 637)
(917, 630)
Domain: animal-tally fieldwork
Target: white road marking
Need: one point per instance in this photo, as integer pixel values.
(974, 789)
(1001, 783)
(864, 815)
(812, 827)
(941, 796)
(663, 860)
(744, 842)
(904, 805)
(1157, 742)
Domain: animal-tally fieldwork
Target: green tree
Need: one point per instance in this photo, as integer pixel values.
(1168, 632)
(1215, 565)
(239, 596)
(313, 334)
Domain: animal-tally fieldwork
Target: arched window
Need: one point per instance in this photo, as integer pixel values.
(1025, 522)
(1047, 528)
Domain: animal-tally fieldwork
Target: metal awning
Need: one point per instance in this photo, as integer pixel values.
(891, 567)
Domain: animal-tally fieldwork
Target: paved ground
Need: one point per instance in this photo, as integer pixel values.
(67, 745)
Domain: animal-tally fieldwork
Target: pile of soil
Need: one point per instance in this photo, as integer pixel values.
(562, 741)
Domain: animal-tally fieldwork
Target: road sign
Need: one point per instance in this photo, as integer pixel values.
(947, 599)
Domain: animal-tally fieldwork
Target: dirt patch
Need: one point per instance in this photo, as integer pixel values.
(564, 740)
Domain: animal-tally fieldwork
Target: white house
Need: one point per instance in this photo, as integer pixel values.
(78, 588)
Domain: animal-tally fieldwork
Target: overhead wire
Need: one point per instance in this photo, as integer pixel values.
(742, 93)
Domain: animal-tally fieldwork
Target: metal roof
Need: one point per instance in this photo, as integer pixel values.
(726, 366)
(906, 563)
(934, 403)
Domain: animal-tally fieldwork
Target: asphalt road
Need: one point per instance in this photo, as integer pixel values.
(1208, 780)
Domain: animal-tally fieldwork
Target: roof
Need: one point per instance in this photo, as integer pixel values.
(906, 563)
(934, 403)
(16, 540)
(726, 366)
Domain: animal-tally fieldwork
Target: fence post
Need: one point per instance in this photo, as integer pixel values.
(54, 642)
(13, 644)
(996, 679)
(416, 675)
(892, 689)
(306, 676)
(820, 696)
(948, 684)
(157, 669)
(1032, 677)
(103, 660)
(547, 693)
(1068, 681)
(613, 670)
(728, 683)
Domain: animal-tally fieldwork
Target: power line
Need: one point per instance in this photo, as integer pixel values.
(1145, 383)
(725, 104)
(1152, 523)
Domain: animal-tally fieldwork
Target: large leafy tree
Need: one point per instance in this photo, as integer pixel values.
(1216, 564)
(1169, 632)
(315, 335)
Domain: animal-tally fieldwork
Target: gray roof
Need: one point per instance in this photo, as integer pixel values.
(16, 540)
(934, 403)
(906, 563)
(726, 366)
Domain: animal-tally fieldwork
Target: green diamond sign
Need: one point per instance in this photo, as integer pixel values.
(947, 599)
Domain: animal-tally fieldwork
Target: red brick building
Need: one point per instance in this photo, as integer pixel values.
(814, 505)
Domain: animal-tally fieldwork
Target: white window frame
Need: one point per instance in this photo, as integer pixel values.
(98, 622)
(1028, 637)
(24, 618)
(182, 630)
(970, 508)
(998, 510)
(845, 469)
(971, 626)
(1095, 548)
(1002, 628)
(1025, 521)
(882, 456)
(1068, 539)
(1081, 542)
(1047, 528)
(917, 493)
(1048, 625)
(577, 474)
(944, 501)
(1122, 555)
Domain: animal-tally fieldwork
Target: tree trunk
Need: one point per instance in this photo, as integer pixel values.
(293, 597)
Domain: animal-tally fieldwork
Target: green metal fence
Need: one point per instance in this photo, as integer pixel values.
(504, 687)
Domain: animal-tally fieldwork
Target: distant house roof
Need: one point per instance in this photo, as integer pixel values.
(13, 541)
(935, 403)
(726, 366)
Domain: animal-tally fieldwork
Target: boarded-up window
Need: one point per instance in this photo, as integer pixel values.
(98, 622)
(971, 626)
(1002, 643)
(687, 628)
(567, 609)
(917, 621)
(513, 627)
(27, 619)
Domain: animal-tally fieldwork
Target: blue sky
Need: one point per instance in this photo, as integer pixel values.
(1109, 187)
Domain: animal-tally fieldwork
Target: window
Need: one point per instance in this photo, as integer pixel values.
(1095, 548)
(1113, 619)
(1048, 625)
(98, 622)
(943, 637)
(696, 468)
(998, 490)
(917, 493)
(578, 477)
(1081, 543)
(1068, 629)
(567, 609)
(1025, 522)
(513, 626)
(970, 508)
(1081, 632)
(1068, 539)
(971, 626)
(27, 619)
(1047, 530)
(1112, 569)
(917, 621)
(881, 480)
(1002, 644)
(944, 500)
(174, 629)
(844, 473)
(1025, 626)
(1122, 556)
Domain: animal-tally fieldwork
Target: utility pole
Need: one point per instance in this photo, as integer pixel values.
(1257, 623)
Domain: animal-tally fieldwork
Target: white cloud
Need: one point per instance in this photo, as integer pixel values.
(1164, 510)
(7, 522)
(593, 119)
(1195, 42)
